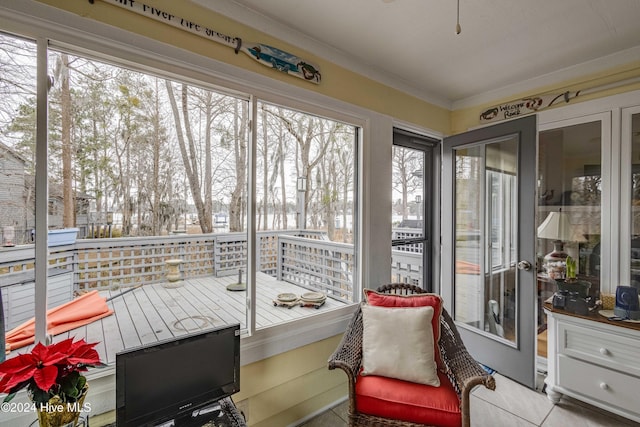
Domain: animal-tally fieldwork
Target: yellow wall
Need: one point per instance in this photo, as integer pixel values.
(337, 82)
(283, 389)
(467, 118)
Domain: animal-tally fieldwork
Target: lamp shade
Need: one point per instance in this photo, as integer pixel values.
(556, 227)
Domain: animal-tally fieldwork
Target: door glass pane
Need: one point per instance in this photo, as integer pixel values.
(635, 202)
(486, 236)
(569, 207)
(408, 216)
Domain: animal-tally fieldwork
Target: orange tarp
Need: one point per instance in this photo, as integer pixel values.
(78, 312)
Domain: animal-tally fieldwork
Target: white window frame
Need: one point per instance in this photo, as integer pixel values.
(78, 35)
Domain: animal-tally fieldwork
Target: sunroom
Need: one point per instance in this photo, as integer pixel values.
(201, 188)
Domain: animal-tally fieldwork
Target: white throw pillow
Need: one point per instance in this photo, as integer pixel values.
(398, 343)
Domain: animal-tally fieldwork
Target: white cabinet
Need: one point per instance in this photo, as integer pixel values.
(594, 360)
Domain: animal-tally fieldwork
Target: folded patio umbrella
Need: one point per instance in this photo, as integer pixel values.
(465, 267)
(80, 311)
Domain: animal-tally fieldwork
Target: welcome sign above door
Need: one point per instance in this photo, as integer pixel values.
(264, 54)
(524, 106)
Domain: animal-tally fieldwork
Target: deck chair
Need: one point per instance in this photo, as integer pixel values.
(407, 404)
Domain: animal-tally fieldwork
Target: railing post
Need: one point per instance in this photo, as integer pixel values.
(75, 271)
(280, 257)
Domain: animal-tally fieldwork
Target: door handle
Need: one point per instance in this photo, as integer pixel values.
(524, 265)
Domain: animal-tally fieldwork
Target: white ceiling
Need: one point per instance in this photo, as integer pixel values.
(505, 46)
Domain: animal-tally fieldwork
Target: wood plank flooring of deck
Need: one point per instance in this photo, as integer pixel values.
(152, 313)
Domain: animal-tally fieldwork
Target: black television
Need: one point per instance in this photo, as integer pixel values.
(170, 382)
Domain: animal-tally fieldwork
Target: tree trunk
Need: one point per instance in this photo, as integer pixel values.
(189, 158)
(237, 203)
(68, 217)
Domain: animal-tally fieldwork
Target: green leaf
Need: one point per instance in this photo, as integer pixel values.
(40, 396)
(82, 381)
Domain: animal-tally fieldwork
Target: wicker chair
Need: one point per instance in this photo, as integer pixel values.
(461, 369)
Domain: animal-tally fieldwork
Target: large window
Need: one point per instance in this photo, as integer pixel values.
(305, 208)
(17, 190)
(151, 176)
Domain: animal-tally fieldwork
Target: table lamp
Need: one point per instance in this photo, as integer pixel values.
(556, 227)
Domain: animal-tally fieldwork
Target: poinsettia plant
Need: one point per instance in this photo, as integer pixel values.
(50, 370)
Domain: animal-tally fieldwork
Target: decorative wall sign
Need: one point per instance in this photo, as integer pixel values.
(524, 106)
(262, 53)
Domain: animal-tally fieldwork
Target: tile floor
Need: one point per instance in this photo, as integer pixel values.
(510, 405)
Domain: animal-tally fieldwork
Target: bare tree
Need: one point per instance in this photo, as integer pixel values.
(406, 175)
(68, 195)
(189, 152)
(237, 205)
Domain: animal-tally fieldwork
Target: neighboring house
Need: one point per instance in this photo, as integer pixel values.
(17, 199)
(14, 195)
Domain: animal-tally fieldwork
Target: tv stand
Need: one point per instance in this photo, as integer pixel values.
(223, 413)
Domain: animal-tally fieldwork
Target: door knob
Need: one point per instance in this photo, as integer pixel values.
(524, 265)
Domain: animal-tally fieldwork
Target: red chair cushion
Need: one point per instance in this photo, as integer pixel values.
(416, 300)
(407, 401)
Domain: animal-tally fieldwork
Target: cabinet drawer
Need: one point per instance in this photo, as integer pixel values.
(610, 350)
(599, 383)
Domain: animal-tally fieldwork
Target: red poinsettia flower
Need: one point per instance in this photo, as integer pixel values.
(81, 352)
(39, 365)
(47, 366)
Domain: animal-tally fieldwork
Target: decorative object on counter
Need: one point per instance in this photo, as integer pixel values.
(571, 283)
(608, 301)
(627, 303)
(576, 304)
(560, 299)
(572, 292)
(610, 315)
(53, 377)
(556, 227)
(581, 287)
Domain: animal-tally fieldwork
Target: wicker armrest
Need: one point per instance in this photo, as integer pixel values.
(348, 355)
(463, 370)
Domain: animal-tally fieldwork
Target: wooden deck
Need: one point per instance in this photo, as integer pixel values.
(153, 313)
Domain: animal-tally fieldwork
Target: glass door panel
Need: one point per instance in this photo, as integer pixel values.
(412, 198)
(408, 216)
(631, 132)
(570, 196)
(486, 217)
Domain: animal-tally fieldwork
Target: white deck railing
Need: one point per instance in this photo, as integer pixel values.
(301, 257)
(125, 262)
